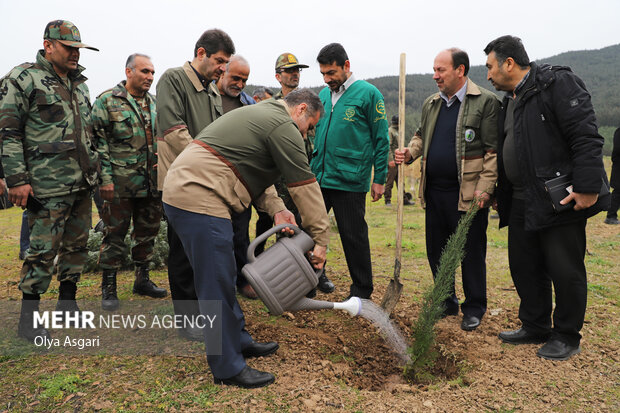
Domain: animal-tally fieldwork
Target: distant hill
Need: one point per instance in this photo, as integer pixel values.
(597, 68)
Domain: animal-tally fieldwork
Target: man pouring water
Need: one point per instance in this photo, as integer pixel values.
(232, 163)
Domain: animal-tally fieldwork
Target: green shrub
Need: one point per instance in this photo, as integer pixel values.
(160, 252)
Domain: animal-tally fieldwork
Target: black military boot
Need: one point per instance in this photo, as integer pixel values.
(66, 297)
(26, 329)
(109, 299)
(144, 286)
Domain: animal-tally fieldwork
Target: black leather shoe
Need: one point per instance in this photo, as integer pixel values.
(470, 323)
(260, 349)
(522, 336)
(191, 333)
(325, 285)
(248, 378)
(555, 349)
(449, 312)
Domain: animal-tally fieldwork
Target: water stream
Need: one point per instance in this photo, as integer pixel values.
(392, 334)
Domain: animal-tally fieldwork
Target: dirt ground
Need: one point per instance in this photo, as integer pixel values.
(329, 361)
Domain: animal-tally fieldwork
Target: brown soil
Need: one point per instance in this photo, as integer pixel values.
(329, 361)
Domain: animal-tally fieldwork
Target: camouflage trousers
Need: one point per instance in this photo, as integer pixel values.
(117, 215)
(60, 228)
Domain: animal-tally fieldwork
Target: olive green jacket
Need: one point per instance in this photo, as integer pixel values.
(46, 130)
(476, 142)
(236, 160)
(184, 108)
(127, 156)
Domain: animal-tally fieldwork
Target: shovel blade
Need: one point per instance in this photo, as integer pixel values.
(392, 295)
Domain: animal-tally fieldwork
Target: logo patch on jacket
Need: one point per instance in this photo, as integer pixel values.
(349, 113)
(470, 135)
(380, 108)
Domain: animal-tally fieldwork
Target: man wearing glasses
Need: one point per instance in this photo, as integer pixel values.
(287, 73)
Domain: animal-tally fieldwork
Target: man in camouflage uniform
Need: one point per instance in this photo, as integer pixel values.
(48, 154)
(392, 176)
(288, 70)
(124, 119)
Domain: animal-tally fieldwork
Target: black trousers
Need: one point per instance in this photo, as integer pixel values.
(241, 241)
(390, 181)
(349, 210)
(442, 218)
(180, 277)
(539, 259)
(615, 204)
(263, 224)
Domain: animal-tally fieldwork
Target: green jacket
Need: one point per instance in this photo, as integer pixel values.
(476, 141)
(127, 156)
(261, 142)
(351, 139)
(185, 107)
(46, 130)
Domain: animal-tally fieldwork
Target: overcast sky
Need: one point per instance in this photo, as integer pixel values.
(374, 33)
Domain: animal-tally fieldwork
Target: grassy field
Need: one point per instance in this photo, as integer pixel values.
(321, 365)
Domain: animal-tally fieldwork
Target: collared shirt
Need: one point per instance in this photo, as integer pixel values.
(519, 86)
(336, 95)
(203, 80)
(460, 95)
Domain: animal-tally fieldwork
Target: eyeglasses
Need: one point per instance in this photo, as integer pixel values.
(290, 70)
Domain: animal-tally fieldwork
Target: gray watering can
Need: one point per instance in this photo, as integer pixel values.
(282, 276)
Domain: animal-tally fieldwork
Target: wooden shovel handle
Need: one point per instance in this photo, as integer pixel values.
(401, 171)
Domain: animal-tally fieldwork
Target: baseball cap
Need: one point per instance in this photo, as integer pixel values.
(288, 60)
(66, 33)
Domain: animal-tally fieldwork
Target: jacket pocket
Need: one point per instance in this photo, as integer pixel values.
(50, 108)
(352, 110)
(472, 121)
(56, 147)
(471, 174)
(348, 159)
(347, 166)
(120, 122)
(123, 162)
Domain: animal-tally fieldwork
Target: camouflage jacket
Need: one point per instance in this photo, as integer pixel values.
(46, 130)
(126, 150)
(393, 134)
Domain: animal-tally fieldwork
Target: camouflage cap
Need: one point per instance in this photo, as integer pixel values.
(288, 60)
(66, 33)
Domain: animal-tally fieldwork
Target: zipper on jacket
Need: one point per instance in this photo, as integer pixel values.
(329, 122)
(529, 93)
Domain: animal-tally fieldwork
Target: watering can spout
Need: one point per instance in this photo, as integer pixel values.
(353, 305)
